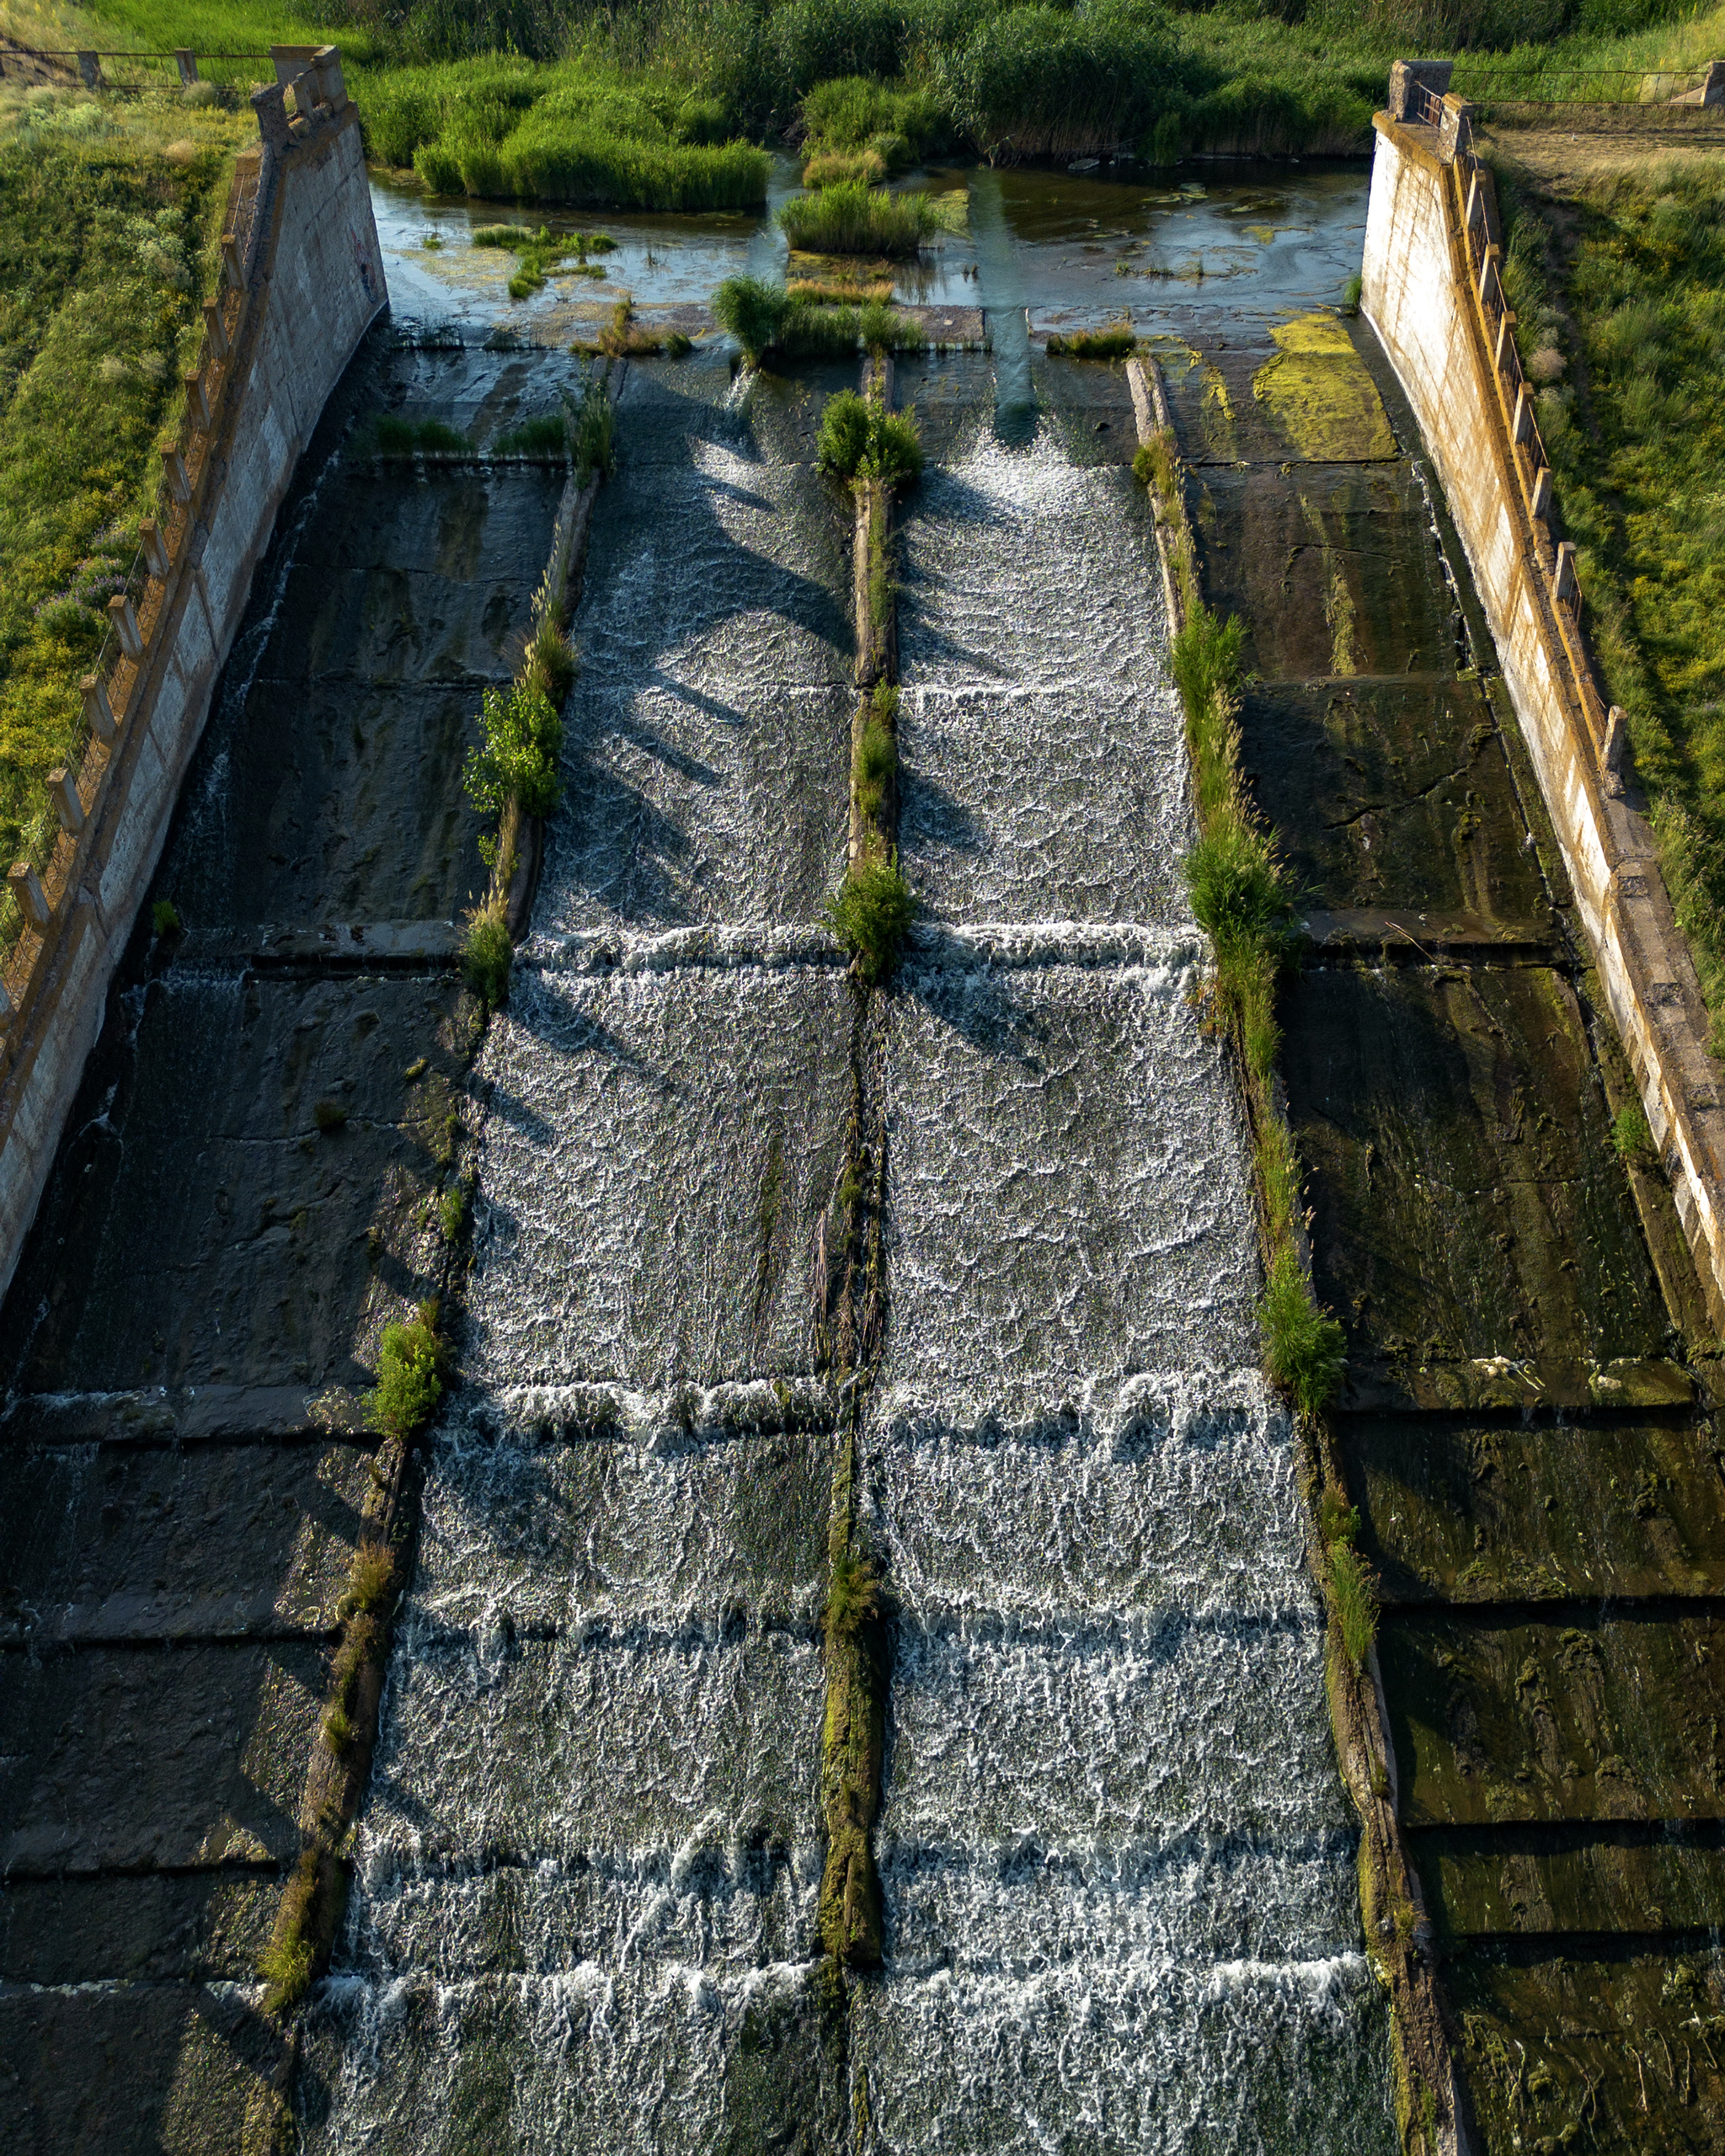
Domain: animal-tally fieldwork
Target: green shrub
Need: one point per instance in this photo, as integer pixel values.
(518, 760)
(852, 219)
(872, 915)
(754, 312)
(858, 440)
(164, 916)
(409, 1378)
(1303, 1348)
(1337, 1520)
(1356, 1603)
(487, 952)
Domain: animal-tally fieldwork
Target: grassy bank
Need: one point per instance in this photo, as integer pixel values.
(109, 223)
(1620, 295)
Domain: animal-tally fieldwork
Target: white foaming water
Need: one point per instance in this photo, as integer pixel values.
(1041, 736)
(1116, 1862)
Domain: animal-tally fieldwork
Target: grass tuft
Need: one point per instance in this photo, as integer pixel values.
(1352, 1590)
(487, 952)
(328, 1116)
(853, 1596)
(1304, 1349)
(1631, 1139)
(1118, 341)
(393, 436)
(853, 218)
(859, 440)
(547, 435)
(872, 915)
(164, 917)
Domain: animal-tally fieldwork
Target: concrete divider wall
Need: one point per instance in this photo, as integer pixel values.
(1418, 297)
(311, 278)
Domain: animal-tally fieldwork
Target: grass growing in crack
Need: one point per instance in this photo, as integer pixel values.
(877, 760)
(285, 1963)
(551, 661)
(164, 917)
(1631, 1138)
(547, 435)
(337, 1731)
(871, 914)
(1355, 1600)
(409, 1384)
(487, 952)
(853, 1596)
(371, 1578)
(624, 337)
(452, 1212)
(392, 436)
(1303, 1345)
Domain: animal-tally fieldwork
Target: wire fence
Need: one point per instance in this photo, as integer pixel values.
(50, 846)
(130, 73)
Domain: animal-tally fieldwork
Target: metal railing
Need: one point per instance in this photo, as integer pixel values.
(37, 884)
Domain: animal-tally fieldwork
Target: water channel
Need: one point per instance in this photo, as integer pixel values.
(1117, 1862)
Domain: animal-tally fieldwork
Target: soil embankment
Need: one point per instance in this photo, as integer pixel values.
(1526, 1426)
(242, 1202)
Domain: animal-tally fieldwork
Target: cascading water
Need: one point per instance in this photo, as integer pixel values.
(1116, 1861)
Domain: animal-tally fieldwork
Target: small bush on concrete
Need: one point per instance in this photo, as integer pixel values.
(1631, 1139)
(853, 1596)
(409, 1385)
(593, 432)
(859, 440)
(877, 760)
(872, 915)
(518, 759)
(164, 916)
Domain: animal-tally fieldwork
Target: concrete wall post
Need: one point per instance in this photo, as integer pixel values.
(1616, 746)
(197, 402)
(1540, 505)
(27, 889)
(89, 69)
(270, 106)
(1563, 577)
(214, 334)
(1406, 75)
(1522, 423)
(234, 268)
(1713, 86)
(154, 546)
(1455, 128)
(179, 483)
(188, 66)
(63, 791)
(332, 87)
(1488, 269)
(1506, 337)
(125, 627)
(98, 710)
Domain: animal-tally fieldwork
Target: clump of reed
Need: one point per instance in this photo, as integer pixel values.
(488, 951)
(853, 218)
(769, 322)
(1118, 341)
(876, 762)
(1631, 1139)
(393, 435)
(545, 436)
(1349, 1579)
(858, 439)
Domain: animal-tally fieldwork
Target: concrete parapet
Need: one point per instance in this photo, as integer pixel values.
(1411, 82)
(303, 280)
(1430, 292)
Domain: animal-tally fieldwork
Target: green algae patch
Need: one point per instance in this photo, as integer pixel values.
(1317, 391)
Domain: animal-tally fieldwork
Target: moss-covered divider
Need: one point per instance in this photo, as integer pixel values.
(1243, 898)
(870, 451)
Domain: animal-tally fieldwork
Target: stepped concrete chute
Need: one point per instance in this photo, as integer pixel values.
(304, 282)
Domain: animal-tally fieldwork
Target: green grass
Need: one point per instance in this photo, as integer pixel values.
(871, 915)
(771, 324)
(1303, 1346)
(551, 664)
(108, 246)
(1624, 330)
(1355, 1600)
(392, 436)
(487, 952)
(1117, 341)
(548, 435)
(1632, 1140)
(410, 1377)
(164, 918)
(850, 218)
(855, 128)
(853, 1596)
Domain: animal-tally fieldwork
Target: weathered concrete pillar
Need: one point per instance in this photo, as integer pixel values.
(179, 483)
(1406, 75)
(155, 547)
(331, 87)
(1563, 578)
(233, 267)
(1455, 128)
(215, 333)
(188, 65)
(270, 106)
(98, 710)
(1542, 491)
(1522, 424)
(197, 402)
(63, 791)
(1616, 742)
(27, 889)
(125, 627)
(89, 69)
(1488, 270)
(1506, 337)
(1713, 85)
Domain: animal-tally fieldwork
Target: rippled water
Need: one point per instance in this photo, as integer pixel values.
(1118, 1866)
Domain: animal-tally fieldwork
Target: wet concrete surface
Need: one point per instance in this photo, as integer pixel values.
(1525, 1422)
(239, 1206)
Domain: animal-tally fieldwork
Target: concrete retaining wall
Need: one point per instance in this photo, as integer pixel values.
(1421, 274)
(306, 280)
